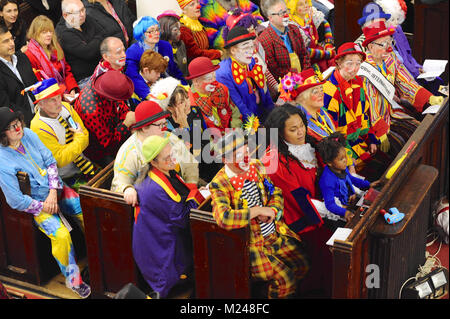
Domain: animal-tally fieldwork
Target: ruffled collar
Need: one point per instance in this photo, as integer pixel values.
(305, 153)
(192, 24)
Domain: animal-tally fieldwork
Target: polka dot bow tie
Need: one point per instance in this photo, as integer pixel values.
(240, 74)
(249, 175)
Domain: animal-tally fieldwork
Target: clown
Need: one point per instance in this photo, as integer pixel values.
(243, 77)
(242, 195)
(193, 33)
(147, 33)
(395, 79)
(309, 20)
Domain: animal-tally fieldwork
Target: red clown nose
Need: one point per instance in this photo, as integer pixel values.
(18, 128)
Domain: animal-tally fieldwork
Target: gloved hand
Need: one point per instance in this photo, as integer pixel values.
(436, 100)
(385, 145)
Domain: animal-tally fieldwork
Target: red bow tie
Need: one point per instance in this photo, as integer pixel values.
(249, 175)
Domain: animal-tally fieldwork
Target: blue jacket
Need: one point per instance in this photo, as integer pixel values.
(12, 162)
(134, 54)
(239, 93)
(332, 186)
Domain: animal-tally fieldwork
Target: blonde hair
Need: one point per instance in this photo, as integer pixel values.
(40, 24)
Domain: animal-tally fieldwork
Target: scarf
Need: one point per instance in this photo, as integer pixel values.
(346, 90)
(48, 70)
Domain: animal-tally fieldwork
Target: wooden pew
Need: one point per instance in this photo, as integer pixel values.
(108, 225)
(399, 249)
(25, 252)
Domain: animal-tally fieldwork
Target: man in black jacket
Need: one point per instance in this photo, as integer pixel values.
(80, 38)
(120, 26)
(16, 74)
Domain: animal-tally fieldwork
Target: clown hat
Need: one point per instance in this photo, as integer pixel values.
(114, 85)
(372, 11)
(375, 31)
(237, 35)
(294, 84)
(349, 48)
(148, 112)
(183, 3)
(152, 146)
(48, 88)
(200, 66)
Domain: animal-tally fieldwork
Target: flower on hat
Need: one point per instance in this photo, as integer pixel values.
(288, 85)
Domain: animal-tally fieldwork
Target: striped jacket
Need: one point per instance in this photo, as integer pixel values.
(230, 212)
(405, 86)
(354, 123)
(277, 55)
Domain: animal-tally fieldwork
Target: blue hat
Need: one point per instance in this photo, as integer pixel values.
(47, 88)
(372, 11)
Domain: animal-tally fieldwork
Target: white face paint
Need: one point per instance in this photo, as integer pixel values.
(285, 21)
(244, 52)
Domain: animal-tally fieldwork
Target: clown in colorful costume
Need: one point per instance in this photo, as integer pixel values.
(214, 16)
(162, 245)
(244, 78)
(33, 158)
(193, 33)
(275, 255)
(309, 21)
(346, 102)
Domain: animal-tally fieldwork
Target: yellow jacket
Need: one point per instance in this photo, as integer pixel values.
(67, 153)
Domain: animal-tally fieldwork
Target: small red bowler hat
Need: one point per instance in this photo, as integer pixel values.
(349, 48)
(114, 85)
(148, 112)
(200, 66)
(375, 31)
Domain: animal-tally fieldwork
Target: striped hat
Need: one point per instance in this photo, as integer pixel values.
(183, 3)
(48, 88)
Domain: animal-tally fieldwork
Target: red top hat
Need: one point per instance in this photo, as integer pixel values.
(375, 31)
(200, 66)
(114, 85)
(148, 112)
(349, 48)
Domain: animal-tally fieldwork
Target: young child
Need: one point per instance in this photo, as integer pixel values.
(338, 186)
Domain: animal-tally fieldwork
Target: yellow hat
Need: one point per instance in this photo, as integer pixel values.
(152, 146)
(183, 3)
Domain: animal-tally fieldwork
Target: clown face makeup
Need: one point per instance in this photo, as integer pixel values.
(242, 158)
(192, 10)
(349, 66)
(152, 35)
(208, 83)
(279, 16)
(243, 52)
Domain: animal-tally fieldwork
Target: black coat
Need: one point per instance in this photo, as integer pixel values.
(108, 23)
(11, 86)
(54, 11)
(81, 48)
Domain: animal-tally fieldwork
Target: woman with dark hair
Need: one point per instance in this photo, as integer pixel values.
(9, 16)
(169, 22)
(293, 164)
(22, 150)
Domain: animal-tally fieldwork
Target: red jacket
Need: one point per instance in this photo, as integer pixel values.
(69, 79)
(277, 55)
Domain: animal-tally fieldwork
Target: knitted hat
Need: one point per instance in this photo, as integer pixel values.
(48, 88)
(371, 12)
(148, 112)
(183, 3)
(237, 35)
(7, 116)
(152, 146)
(375, 31)
(114, 85)
(162, 91)
(349, 48)
(200, 66)
(292, 85)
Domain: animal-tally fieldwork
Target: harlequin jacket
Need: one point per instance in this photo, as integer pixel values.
(352, 120)
(214, 17)
(240, 92)
(405, 85)
(277, 55)
(230, 212)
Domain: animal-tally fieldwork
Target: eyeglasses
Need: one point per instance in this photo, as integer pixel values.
(153, 31)
(83, 11)
(317, 90)
(386, 44)
(280, 14)
(14, 126)
(351, 64)
(160, 125)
